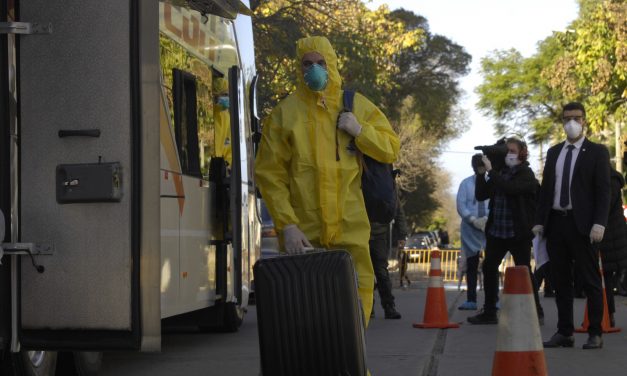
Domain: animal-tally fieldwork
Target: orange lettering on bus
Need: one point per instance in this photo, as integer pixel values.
(167, 18)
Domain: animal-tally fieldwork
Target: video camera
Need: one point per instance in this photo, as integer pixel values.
(496, 153)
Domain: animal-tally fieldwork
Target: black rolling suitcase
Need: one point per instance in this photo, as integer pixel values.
(308, 316)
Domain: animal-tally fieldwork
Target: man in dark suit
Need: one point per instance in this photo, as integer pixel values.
(572, 212)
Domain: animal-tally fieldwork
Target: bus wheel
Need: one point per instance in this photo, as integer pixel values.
(87, 363)
(38, 363)
(233, 317)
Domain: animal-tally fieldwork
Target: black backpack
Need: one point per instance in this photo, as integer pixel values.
(377, 181)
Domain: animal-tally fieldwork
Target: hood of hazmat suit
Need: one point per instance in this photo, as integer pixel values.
(300, 176)
(222, 121)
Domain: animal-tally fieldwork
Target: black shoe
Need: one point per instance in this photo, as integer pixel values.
(391, 313)
(484, 318)
(580, 295)
(560, 340)
(594, 342)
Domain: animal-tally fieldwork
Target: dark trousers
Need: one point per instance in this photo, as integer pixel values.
(495, 250)
(472, 265)
(543, 273)
(565, 246)
(379, 246)
(610, 285)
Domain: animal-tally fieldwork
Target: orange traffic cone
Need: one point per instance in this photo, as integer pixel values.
(519, 350)
(606, 325)
(436, 315)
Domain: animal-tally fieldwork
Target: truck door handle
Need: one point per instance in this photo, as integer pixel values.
(79, 133)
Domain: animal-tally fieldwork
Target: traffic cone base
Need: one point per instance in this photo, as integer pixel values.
(606, 326)
(519, 349)
(436, 314)
(517, 363)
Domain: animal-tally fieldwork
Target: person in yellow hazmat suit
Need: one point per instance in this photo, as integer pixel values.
(307, 169)
(222, 119)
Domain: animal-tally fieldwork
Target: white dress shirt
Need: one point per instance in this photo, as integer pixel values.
(559, 172)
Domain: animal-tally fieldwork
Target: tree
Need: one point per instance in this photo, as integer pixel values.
(364, 40)
(517, 94)
(430, 74)
(586, 63)
(391, 58)
(593, 67)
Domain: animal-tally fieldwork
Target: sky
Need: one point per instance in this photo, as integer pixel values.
(482, 26)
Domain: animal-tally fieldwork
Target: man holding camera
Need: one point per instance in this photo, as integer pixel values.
(573, 211)
(511, 190)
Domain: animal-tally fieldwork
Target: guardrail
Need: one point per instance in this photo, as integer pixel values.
(419, 262)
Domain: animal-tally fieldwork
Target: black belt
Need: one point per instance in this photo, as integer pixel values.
(562, 213)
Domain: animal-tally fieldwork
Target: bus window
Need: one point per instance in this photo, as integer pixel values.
(222, 119)
(186, 121)
(201, 45)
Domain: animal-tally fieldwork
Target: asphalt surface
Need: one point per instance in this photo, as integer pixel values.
(394, 346)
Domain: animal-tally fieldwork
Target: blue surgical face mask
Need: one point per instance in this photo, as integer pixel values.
(316, 77)
(511, 160)
(223, 101)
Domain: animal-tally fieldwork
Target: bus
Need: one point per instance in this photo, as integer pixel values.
(127, 141)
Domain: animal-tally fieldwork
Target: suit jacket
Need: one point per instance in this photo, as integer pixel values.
(589, 188)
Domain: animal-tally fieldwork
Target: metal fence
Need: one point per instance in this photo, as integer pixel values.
(419, 263)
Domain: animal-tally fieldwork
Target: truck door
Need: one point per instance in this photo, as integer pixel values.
(89, 175)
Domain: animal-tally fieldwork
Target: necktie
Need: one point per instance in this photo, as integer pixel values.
(565, 192)
(481, 211)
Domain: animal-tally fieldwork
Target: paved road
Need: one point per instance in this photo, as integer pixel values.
(394, 347)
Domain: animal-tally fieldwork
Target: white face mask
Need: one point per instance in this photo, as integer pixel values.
(511, 160)
(573, 129)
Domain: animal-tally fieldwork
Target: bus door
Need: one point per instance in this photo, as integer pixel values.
(88, 192)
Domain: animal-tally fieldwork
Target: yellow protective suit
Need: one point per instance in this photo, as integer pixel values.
(301, 179)
(222, 122)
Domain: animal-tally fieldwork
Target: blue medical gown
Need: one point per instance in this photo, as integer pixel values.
(473, 239)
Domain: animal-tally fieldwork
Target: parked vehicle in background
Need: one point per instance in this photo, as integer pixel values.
(421, 241)
(269, 238)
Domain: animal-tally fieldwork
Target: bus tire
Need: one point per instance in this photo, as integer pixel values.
(233, 317)
(87, 363)
(37, 363)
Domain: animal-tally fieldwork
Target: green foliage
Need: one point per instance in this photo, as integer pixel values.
(391, 58)
(365, 42)
(586, 63)
(430, 74)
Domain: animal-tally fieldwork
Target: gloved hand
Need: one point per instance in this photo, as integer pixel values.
(596, 234)
(538, 230)
(295, 240)
(479, 223)
(486, 163)
(348, 123)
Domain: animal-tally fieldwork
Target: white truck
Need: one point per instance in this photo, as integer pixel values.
(121, 213)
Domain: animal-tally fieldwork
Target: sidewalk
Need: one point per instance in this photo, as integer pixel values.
(396, 348)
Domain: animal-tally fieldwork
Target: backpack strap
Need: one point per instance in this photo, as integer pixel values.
(348, 97)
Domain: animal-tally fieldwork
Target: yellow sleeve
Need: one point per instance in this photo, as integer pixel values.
(377, 138)
(272, 171)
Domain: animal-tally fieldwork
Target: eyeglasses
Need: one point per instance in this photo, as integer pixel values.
(308, 63)
(578, 119)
